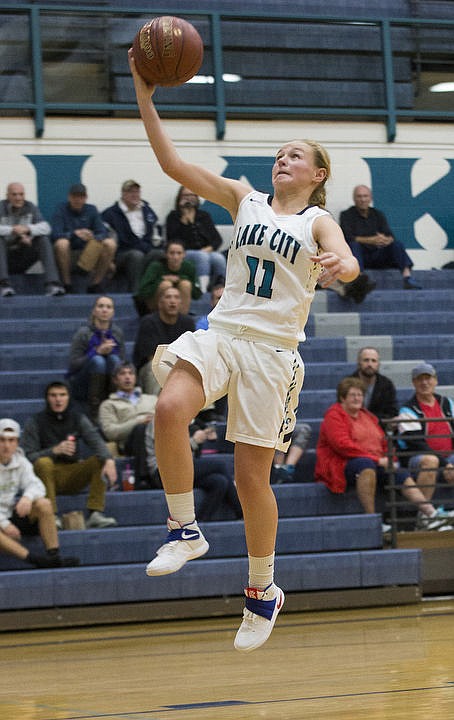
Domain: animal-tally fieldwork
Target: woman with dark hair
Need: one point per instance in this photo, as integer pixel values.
(351, 452)
(200, 237)
(96, 349)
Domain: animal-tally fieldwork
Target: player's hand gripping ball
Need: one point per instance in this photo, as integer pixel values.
(167, 51)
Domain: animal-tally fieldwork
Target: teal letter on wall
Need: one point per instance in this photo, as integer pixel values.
(55, 174)
(391, 184)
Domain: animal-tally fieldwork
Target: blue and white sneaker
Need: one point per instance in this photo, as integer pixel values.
(184, 542)
(441, 512)
(259, 616)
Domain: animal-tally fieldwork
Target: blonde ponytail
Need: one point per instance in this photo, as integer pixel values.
(321, 160)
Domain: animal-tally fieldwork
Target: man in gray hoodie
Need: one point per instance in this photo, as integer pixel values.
(32, 513)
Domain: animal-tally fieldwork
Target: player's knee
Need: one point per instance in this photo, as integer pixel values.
(167, 410)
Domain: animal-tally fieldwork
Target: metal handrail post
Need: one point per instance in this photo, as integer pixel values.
(218, 70)
(37, 70)
(392, 486)
(388, 72)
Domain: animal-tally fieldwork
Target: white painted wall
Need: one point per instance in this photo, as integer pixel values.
(118, 150)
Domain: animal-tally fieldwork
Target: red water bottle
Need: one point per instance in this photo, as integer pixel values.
(127, 478)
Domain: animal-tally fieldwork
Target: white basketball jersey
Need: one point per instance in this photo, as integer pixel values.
(270, 279)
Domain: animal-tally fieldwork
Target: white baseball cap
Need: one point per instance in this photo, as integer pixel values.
(9, 428)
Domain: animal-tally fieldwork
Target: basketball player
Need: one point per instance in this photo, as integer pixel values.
(282, 245)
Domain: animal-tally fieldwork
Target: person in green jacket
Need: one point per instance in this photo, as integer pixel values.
(173, 270)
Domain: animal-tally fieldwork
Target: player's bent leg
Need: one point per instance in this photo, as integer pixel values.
(259, 616)
(183, 543)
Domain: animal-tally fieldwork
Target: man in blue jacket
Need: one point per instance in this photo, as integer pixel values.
(134, 224)
(76, 223)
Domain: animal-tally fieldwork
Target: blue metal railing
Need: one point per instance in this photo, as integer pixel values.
(219, 109)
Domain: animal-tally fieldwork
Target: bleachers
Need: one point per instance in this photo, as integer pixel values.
(325, 541)
(325, 65)
(267, 55)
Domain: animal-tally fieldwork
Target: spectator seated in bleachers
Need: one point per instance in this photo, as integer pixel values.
(215, 296)
(172, 270)
(211, 472)
(24, 508)
(133, 223)
(371, 240)
(218, 411)
(201, 239)
(380, 396)
(52, 441)
(351, 452)
(97, 348)
(284, 464)
(81, 240)
(430, 444)
(161, 327)
(124, 418)
(24, 239)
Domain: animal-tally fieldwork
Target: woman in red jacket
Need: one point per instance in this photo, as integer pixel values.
(351, 452)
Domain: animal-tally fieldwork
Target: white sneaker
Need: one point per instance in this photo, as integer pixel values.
(438, 521)
(259, 616)
(184, 542)
(98, 520)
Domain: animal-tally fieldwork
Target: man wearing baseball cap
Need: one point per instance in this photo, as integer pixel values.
(32, 513)
(75, 225)
(134, 224)
(429, 443)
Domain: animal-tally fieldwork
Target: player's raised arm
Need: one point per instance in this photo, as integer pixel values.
(223, 191)
(336, 257)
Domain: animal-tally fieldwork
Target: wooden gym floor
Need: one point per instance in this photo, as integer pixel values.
(367, 664)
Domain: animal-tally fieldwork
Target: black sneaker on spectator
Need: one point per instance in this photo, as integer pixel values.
(359, 288)
(52, 560)
(410, 284)
(6, 290)
(54, 290)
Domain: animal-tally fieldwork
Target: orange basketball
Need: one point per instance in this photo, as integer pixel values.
(167, 51)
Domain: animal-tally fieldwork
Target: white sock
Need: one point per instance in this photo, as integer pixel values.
(261, 571)
(181, 507)
(204, 281)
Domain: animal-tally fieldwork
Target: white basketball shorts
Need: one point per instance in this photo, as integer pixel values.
(262, 382)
